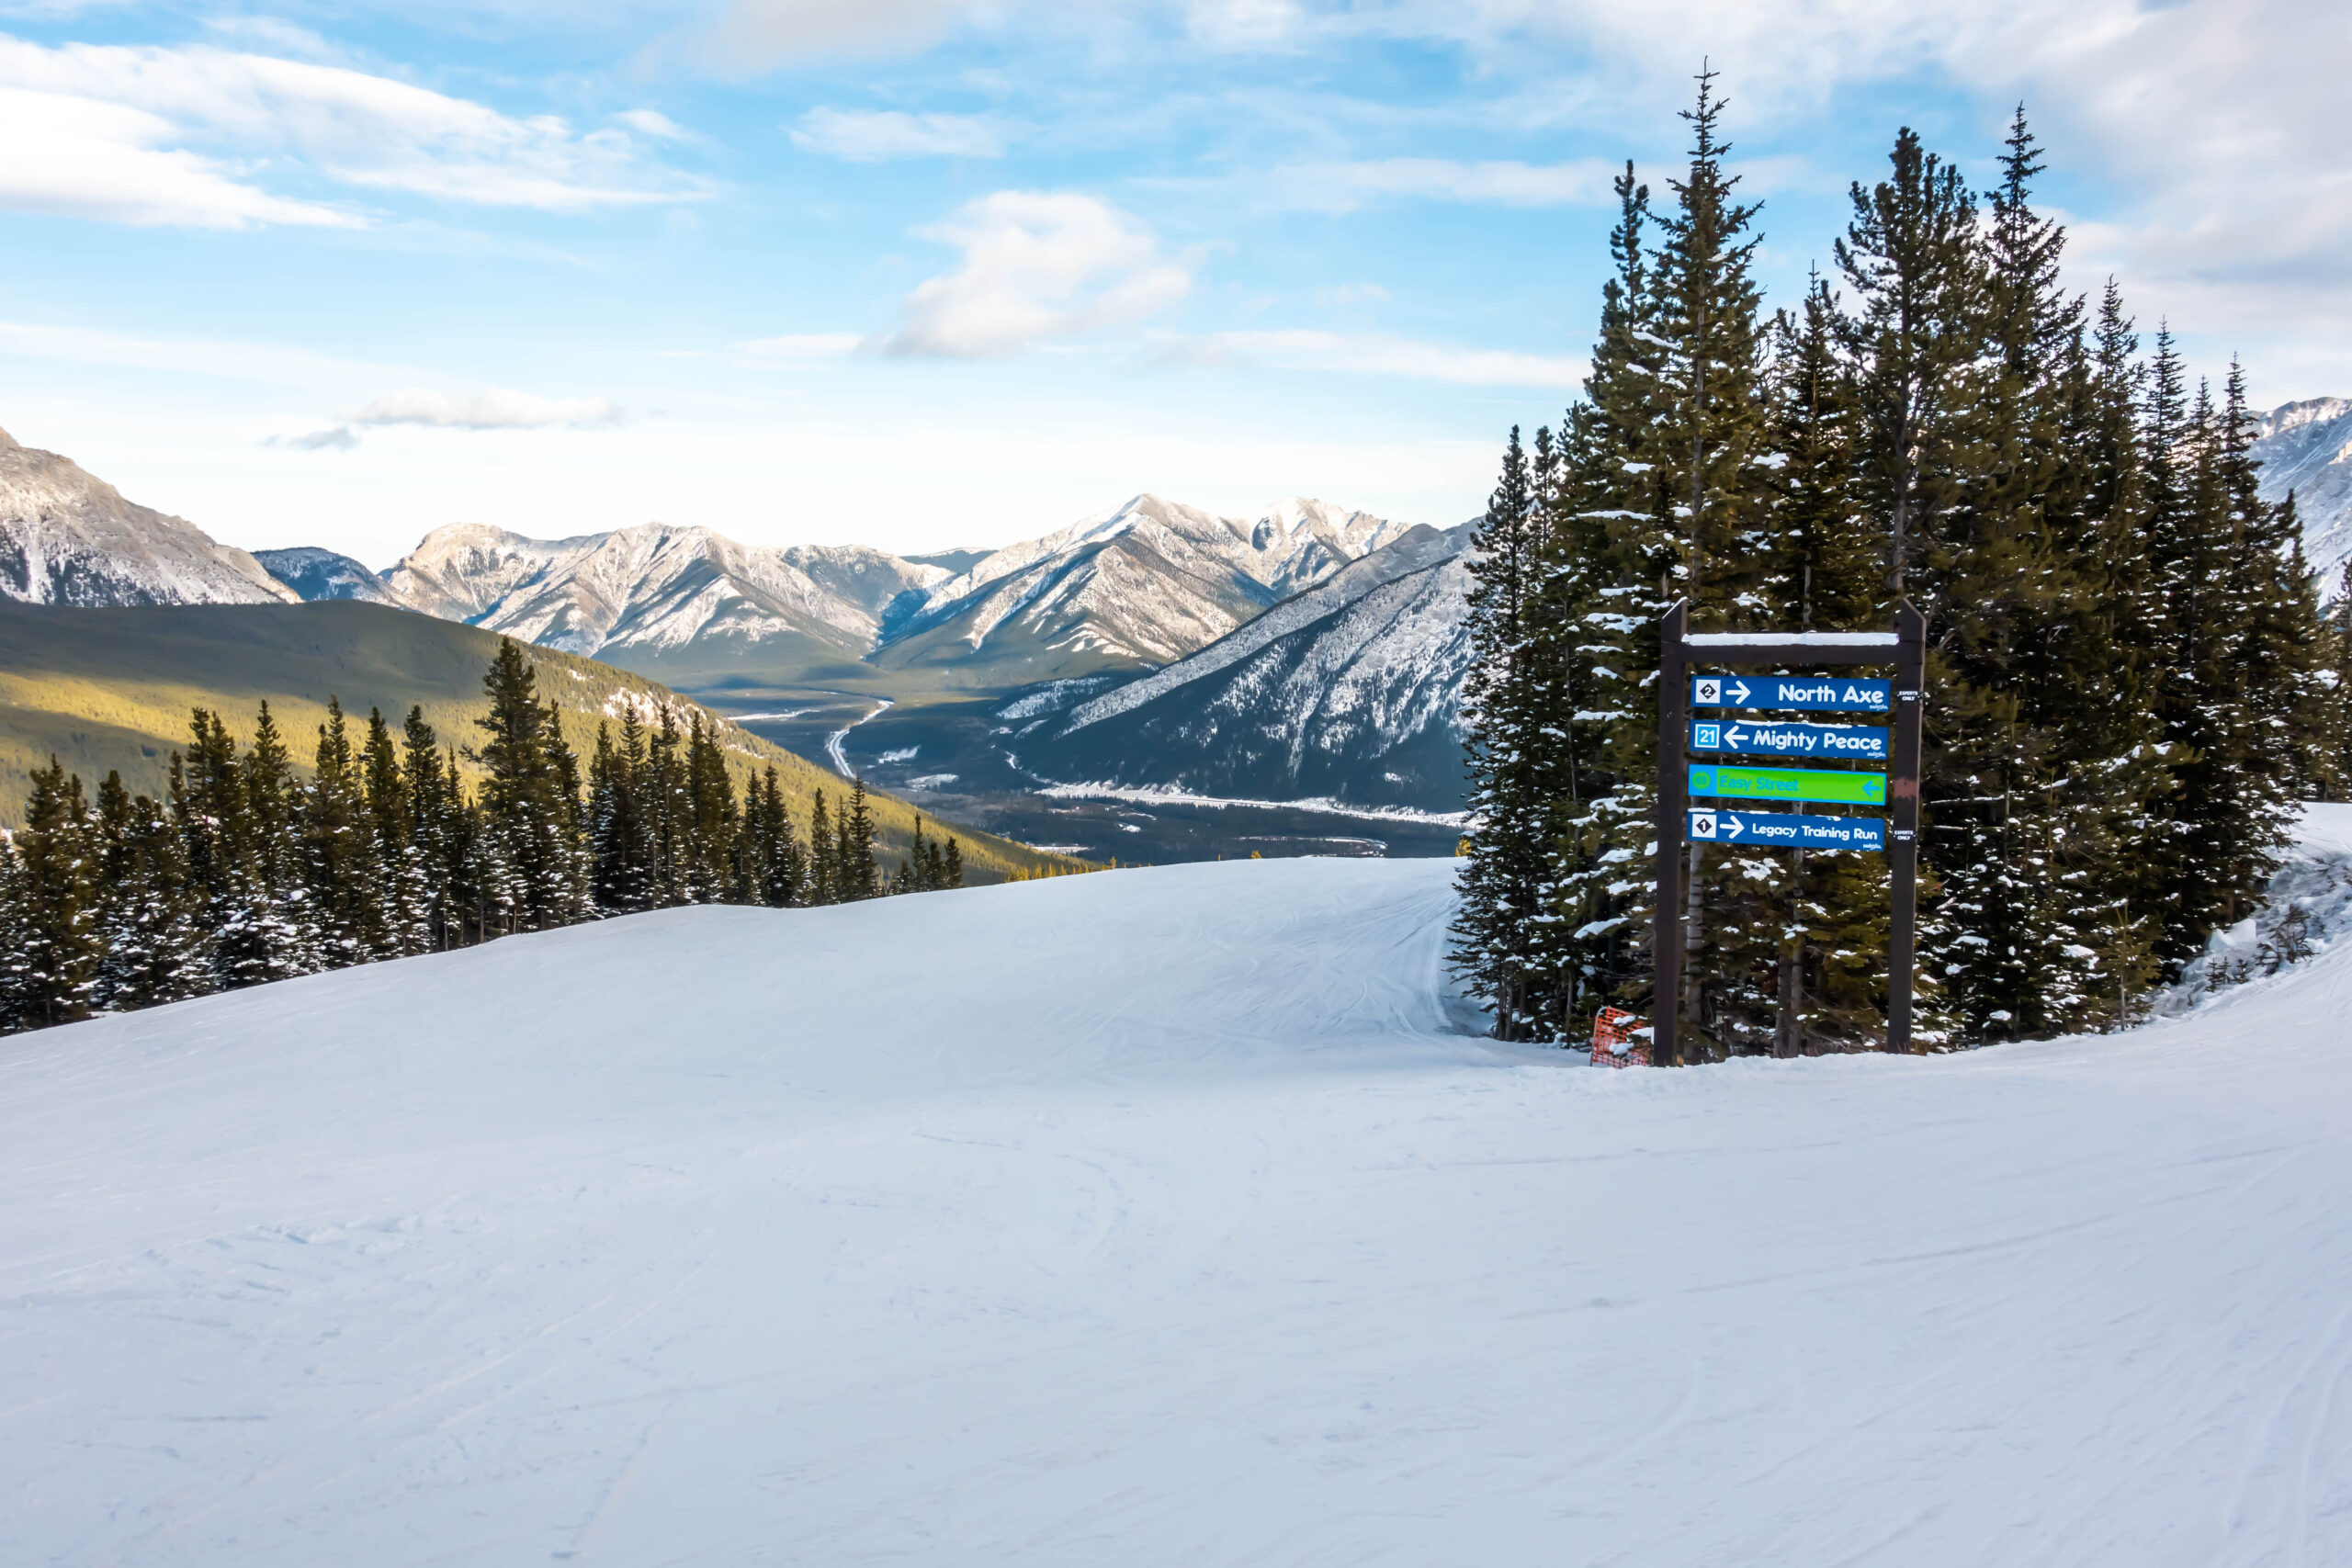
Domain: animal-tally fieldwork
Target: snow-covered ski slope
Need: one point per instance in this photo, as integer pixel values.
(1150, 1218)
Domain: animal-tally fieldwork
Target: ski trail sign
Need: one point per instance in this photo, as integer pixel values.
(1789, 783)
(1744, 738)
(1804, 693)
(1682, 775)
(1786, 830)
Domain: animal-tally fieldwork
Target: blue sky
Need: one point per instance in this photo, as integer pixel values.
(921, 273)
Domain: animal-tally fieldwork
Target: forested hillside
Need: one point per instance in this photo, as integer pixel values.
(243, 870)
(2129, 687)
(112, 690)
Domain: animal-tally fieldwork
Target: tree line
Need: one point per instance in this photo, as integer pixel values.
(247, 872)
(2129, 681)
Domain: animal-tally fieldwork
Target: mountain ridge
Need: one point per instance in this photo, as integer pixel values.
(69, 537)
(2306, 448)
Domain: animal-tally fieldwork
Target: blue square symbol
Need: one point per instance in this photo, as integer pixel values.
(1711, 736)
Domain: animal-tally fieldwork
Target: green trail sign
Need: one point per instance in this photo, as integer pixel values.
(1788, 784)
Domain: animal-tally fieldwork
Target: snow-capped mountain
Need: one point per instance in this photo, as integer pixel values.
(1145, 584)
(2306, 448)
(1349, 691)
(317, 574)
(1136, 588)
(656, 590)
(69, 538)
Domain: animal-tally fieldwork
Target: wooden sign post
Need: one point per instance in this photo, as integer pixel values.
(1678, 691)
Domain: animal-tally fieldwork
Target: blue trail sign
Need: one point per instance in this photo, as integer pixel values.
(1817, 693)
(1740, 737)
(1786, 831)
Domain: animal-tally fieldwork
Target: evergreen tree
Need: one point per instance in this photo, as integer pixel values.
(856, 876)
(2333, 761)
(1504, 702)
(1832, 909)
(2242, 700)
(824, 851)
(341, 867)
(771, 869)
(266, 927)
(954, 865)
(154, 949)
(404, 882)
(530, 846)
(437, 830)
(1610, 558)
(51, 963)
(711, 819)
(669, 815)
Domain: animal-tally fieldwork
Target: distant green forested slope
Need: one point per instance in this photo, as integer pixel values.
(106, 688)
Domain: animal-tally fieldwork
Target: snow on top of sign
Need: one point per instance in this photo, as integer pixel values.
(1816, 639)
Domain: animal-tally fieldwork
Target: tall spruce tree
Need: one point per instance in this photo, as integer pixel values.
(153, 948)
(529, 801)
(266, 929)
(51, 969)
(403, 881)
(1609, 566)
(856, 872)
(1505, 701)
(342, 866)
(824, 851)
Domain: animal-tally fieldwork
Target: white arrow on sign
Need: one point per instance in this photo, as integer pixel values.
(1739, 692)
(1735, 735)
(1735, 828)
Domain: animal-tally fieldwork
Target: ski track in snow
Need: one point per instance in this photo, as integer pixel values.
(1159, 1221)
(833, 742)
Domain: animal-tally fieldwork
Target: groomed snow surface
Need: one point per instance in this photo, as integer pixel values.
(1151, 1217)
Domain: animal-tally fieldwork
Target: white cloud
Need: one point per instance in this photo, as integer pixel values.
(2214, 124)
(654, 123)
(337, 439)
(1039, 266)
(797, 349)
(269, 363)
(1338, 187)
(493, 410)
(173, 135)
(757, 34)
(84, 158)
(1380, 354)
(871, 137)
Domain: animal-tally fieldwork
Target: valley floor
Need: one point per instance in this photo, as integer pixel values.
(1150, 1217)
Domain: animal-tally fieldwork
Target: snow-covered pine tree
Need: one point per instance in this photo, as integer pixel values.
(154, 950)
(1709, 434)
(2248, 645)
(823, 885)
(530, 808)
(667, 812)
(1912, 338)
(1609, 569)
(859, 877)
(2040, 760)
(1829, 985)
(711, 818)
(341, 868)
(1506, 714)
(776, 858)
(265, 930)
(2332, 760)
(612, 823)
(437, 828)
(404, 888)
(51, 967)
